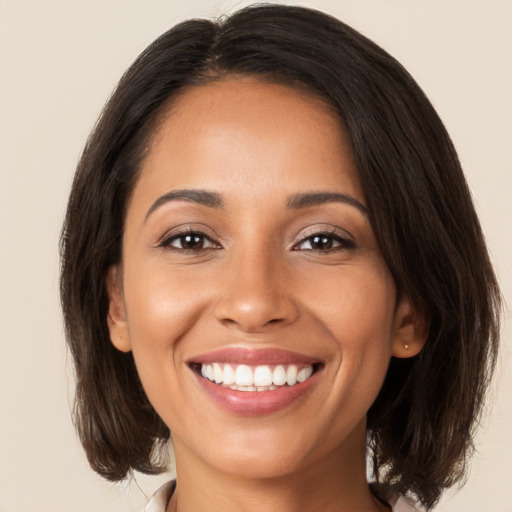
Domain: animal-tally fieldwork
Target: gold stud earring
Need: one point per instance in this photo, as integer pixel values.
(406, 346)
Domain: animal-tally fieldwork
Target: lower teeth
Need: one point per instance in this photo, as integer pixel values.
(251, 388)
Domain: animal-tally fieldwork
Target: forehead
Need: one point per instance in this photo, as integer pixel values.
(242, 135)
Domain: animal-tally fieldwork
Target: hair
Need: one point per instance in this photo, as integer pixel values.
(422, 423)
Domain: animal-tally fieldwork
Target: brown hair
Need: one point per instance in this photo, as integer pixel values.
(421, 424)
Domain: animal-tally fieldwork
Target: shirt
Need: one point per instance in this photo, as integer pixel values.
(158, 502)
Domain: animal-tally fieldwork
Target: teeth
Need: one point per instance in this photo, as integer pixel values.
(243, 375)
(250, 388)
(259, 378)
(228, 375)
(304, 374)
(217, 372)
(291, 375)
(262, 376)
(279, 375)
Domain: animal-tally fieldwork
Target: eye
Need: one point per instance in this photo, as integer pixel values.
(189, 241)
(324, 242)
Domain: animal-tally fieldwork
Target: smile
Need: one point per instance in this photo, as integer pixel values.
(254, 382)
(256, 378)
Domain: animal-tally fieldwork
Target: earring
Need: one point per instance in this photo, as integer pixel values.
(406, 346)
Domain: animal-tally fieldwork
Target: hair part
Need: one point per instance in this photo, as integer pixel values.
(421, 425)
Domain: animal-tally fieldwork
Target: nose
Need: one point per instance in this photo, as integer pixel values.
(255, 294)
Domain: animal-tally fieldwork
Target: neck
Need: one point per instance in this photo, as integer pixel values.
(334, 482)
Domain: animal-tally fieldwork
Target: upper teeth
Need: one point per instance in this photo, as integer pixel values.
(255, 376)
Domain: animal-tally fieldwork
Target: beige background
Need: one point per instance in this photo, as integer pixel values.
(59, 60)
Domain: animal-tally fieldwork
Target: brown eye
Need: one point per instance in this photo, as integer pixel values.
(321, 242)
(189, 241)
(325, 242)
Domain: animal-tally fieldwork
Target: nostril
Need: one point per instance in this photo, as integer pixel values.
(245, 309)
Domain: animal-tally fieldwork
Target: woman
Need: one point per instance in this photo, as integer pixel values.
(270, 254)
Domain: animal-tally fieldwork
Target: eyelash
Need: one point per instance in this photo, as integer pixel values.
(329, 237)
(168, 240)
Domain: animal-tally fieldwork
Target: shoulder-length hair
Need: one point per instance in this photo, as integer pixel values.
(420, 208)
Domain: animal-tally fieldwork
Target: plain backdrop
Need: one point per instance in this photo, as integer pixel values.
(59, 61)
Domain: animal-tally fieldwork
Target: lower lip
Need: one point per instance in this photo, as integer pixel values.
(255, 403)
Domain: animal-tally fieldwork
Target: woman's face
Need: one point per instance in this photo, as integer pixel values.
(248, 256)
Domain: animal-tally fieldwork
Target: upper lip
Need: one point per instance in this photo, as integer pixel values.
(253, 357)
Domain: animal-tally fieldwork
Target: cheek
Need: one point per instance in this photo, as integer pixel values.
(162, 307)
(365, 330)
(358, 315)
(357, 307)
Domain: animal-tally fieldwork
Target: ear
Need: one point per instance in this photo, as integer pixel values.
(410, 329)
(116, 317)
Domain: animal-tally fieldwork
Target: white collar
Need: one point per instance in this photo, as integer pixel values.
(158, 502)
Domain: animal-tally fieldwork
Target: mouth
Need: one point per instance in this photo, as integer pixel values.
(242, 377)
(252, 382)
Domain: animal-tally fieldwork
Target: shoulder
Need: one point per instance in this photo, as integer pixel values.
(397, 502)
(402, 504)
(158, 502)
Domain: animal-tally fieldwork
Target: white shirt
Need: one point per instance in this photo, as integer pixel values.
(158, 502)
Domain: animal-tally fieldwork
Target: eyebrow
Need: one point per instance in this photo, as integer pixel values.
(210, 199)
(309, 199)
(295, 202)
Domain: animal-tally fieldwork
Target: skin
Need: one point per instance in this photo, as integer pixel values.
(256, 280)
